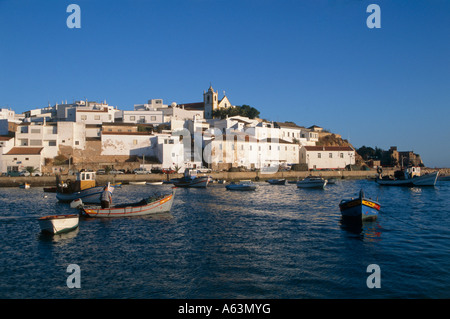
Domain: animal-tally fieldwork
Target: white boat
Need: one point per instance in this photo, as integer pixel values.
(191, 180)
(312, 182)
(155, 183)
(137, 183)
(241, 186)
(56, 224)
(408, 177)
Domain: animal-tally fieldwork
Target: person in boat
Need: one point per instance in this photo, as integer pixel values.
(106, 198)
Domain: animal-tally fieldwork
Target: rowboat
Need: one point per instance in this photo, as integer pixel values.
(151, 205)
(277, 181)
(312, 182)
(408, 177)
(242, 186)
(84, 187)
(137, 183)
(362, 208)
(155, 183)
(56, 224)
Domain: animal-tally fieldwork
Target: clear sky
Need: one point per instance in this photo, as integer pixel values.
(312, 62)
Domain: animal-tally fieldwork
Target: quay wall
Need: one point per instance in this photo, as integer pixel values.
(49, 181)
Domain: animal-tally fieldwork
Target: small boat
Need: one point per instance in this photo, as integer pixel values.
(241, 186)
(331, 181)
(362, 208)
(191, 180)
(84, 187)
(117, 185)
(277, 181)
(408, 177)
(150, 205)
(137, 183)
(155, 183)
(57, 224)
(312, 182)
(25, 186)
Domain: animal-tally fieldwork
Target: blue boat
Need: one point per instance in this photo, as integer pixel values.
(361, 208)
(84, 188)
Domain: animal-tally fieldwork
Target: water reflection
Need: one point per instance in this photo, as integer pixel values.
(368, 230)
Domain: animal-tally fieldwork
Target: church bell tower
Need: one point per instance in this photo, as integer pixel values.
(210, 100)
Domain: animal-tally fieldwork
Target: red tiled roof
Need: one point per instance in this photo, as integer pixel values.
(25, 151)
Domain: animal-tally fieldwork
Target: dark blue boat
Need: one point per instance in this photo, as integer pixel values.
(361, 207)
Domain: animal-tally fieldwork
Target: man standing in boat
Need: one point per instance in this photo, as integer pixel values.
(106, 198)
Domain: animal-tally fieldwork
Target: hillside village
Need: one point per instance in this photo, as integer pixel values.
(95, 135)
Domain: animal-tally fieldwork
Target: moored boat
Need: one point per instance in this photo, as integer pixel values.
(155, 183)
(84, 187)
(410, 176)
(241, 186)
(191, 180)
(312, 182)
(277, 181)
(25, 186)
(361, 208)
(147, 206)
(57, 224)
(137, 183)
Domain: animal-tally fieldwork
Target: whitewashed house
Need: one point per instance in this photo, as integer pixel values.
(327, 157)
(6, 144)
(19, 158)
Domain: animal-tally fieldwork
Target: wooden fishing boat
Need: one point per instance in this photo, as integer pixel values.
(279, 181)
(84, 187)
(241, 186)
(312, 182)
(191, 180)
(151, 205)
(57, 224)
(410, 176)
(361, 208)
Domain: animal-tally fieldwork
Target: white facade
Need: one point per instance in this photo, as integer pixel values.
(170, 151)
(140, 116)
(19, 158)
(72, 134)
(127, 143)
(327, 157)
(6, 144)
(39, 134)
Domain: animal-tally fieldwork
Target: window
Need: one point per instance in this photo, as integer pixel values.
(220, 146)
(342, 155)
(153, 118)
(132, 118)
(27, 158)
(35, 130)
(83, 117)
(77, 142)
(51, 143)
(35, 142)
(331, 155)
(134, 142)
(319, 155)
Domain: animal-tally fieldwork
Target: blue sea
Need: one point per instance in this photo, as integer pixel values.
(278, 242)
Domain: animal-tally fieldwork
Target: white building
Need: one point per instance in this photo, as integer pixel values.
(127, 143)
(327, 157)
(6, 144)
(150, 116)
(19, 158)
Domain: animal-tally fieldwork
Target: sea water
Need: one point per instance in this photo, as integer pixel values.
(279, 241)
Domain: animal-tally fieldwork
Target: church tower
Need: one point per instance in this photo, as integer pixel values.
(210, 100)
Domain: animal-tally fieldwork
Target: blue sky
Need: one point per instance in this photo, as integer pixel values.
(311, 62)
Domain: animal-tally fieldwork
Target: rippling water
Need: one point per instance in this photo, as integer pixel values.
(276, 242)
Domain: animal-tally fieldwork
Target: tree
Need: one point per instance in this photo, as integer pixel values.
(244, 110)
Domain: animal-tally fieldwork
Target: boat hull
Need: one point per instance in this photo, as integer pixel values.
(277, 181)
(240, 187)
(361, 208)
(424, 180)
(90, 195)
(58, 224)
(312, 184)
(198, 182)
(160, 206)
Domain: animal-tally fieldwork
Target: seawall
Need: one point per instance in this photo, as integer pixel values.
(49, 181)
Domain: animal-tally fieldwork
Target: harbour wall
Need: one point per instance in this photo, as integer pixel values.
(49, 181)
